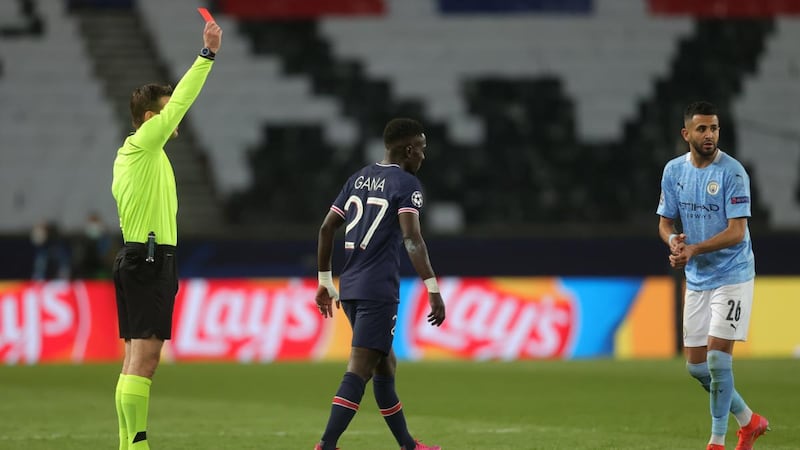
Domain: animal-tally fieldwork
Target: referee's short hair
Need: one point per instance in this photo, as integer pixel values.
(145, 99)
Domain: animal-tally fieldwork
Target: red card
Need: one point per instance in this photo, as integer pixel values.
(206, 15)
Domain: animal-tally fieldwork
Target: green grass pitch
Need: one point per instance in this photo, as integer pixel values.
(599, 404)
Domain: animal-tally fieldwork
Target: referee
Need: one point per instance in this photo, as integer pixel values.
(145, 271)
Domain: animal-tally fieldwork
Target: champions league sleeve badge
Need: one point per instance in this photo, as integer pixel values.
(416, 199)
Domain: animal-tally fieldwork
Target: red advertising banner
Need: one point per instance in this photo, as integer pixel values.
(726, 8)
(58, 321)
(506, 319)
(229, 320)
(248, 320)
(263, 320)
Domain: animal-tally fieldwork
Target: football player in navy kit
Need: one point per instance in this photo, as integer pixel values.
(380, 205)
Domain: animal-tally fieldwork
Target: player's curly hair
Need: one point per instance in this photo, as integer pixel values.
(702, 108)
(401, 129)
(145, 99)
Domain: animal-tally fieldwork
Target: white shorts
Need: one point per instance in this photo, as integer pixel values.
(723, 312)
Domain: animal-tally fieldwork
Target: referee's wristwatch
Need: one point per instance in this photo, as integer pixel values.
(206, 53)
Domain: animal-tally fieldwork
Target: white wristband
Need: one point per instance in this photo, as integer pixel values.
(325, 278)
(326, 281)
(671, 237)
(432, 285)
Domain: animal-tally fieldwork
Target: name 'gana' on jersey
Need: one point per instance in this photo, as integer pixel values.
(370, 184)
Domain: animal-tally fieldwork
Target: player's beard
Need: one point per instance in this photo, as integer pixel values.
(702, 150)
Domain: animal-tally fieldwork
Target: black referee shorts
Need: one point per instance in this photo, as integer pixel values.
(145, 291)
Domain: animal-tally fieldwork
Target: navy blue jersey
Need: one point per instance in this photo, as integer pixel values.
(370, 203)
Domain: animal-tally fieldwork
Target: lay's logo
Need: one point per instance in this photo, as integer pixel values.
(57, 321)
(248, 320)
(497, 319)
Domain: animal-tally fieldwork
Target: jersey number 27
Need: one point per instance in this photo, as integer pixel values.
(382, 203)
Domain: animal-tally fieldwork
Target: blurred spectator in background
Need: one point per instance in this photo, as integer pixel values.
(51, 253)
(93, 250)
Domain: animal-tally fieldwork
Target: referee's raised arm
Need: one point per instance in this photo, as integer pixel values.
(145, 270)
(154, 133)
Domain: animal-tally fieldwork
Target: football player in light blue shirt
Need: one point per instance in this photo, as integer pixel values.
(709, 191)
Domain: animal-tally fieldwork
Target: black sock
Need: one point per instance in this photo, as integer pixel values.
(392, 410)
(345, 405)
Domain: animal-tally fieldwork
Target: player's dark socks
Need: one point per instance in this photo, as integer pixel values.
(392, 410)
(345, 406)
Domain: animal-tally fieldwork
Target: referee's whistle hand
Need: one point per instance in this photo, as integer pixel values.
(212, 36)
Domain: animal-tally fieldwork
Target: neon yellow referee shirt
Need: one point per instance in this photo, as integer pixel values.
(144, 183)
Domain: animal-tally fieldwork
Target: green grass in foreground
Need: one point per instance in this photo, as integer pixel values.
(600, 404)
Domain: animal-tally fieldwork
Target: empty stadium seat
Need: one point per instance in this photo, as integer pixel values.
(59, 137)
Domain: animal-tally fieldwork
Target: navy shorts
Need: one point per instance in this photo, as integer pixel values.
(145, 291)
(373, 323)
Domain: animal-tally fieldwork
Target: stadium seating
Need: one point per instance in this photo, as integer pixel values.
(20, 18)
(244, 93)
(124, 57)
(607, 59)
(432, 72)
(310, 174)
(57, 127)
(526, 112)
(711, 64)
(767, 133)
(554, 100)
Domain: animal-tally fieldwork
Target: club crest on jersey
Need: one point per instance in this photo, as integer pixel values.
(416, 199)
(712, 188)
